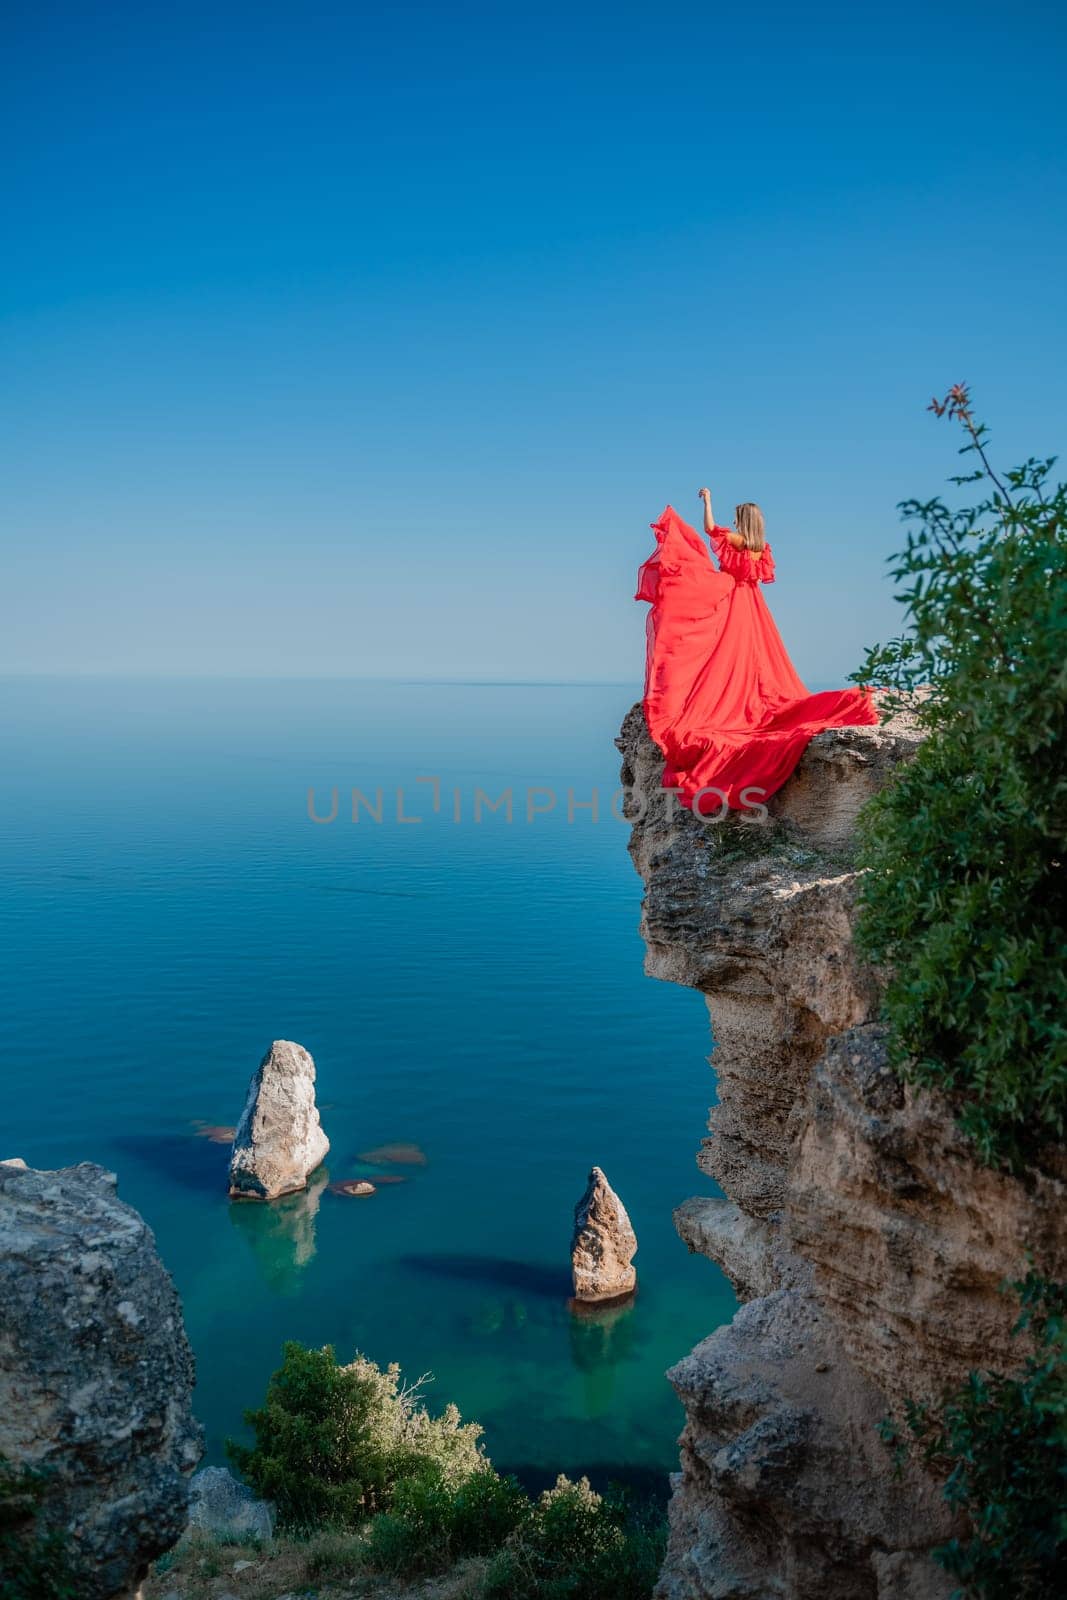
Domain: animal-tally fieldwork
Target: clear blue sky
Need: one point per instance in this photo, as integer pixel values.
(368, 340)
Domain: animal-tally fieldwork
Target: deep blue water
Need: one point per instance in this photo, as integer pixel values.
(473, 988)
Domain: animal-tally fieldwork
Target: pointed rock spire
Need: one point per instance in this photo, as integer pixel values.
(279, 1140)
(603, 1245)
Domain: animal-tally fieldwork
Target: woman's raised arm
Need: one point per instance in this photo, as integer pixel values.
(709, 522)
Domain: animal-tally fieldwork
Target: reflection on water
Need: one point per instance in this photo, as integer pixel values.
(492, 1317)
(602, 1338)
(281, 1233)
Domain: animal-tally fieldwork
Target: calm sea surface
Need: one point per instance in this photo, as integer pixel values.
(475, 989)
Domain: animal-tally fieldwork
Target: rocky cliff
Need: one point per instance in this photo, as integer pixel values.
(866, 1244)
(96, 1374)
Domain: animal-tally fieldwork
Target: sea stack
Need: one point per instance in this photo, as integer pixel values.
(279, 1140)
(604, 1244)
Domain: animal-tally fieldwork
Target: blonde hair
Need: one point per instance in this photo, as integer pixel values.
(749, 523)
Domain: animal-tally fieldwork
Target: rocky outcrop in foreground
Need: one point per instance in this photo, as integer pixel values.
(95, 1372)
(279, 1140)
(604, 1244)
(868, 1245)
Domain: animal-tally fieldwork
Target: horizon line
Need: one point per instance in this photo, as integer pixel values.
(36, 674)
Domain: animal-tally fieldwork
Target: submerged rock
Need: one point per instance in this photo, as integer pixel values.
(221, 1506)
(394, 1155)
(356, 1187)
(279, 1140)
(603, 1245)
(96, 1373)
(215, 1132)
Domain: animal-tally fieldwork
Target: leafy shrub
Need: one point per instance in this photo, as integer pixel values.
(433, 1524)
(578, 1545)
(34, 1564)
(346, 1447)
(964, 898)
(570, 1544)
(1003, 1444)
(333, 1442)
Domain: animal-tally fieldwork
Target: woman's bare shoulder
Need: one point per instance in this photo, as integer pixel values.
(732, 535)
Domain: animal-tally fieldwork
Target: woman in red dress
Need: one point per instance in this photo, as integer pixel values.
(722, 698)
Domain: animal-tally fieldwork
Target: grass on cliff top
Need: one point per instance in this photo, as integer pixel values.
(737, 842)
(329, 1565)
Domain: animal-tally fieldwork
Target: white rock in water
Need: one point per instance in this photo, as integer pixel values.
(604, 1243)
(279, 1140)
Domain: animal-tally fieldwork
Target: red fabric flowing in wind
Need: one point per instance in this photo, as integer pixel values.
(722, 698)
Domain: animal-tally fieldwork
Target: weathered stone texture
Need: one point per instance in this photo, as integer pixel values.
(96, 1374)
(603, 1245)
(279, 1140)
(869, 1242)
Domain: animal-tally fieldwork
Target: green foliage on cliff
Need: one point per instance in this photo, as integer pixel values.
(569, 1544)
(347, 1447)
(333, 1442)
(1003, 1444)
(432, 1524)
(34, 1564)
(578, 1545)
(964, 899)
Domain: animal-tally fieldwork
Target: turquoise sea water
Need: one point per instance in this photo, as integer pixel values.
(473, 988)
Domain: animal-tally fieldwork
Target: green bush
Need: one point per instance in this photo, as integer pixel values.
(570, 1544)
(963, 901)
(34, 1564)
(346, 1447)
(433, 1524)
(578, 1545)
(333, 1442)
(1003, 1444)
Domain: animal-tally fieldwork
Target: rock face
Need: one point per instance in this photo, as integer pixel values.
(603, 1245)
(221, 1506)
(279, 1140)
(867, 1242)
(95, 1371)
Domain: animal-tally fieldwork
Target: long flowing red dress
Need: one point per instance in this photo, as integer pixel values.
(722, 699)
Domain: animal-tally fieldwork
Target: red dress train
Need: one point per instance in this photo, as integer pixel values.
(722, 698)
